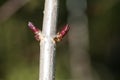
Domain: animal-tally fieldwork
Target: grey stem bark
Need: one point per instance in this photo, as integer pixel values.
(47, 46)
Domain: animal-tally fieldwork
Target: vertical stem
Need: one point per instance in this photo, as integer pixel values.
(47, 47)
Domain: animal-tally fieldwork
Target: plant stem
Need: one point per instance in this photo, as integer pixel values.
(47, 46)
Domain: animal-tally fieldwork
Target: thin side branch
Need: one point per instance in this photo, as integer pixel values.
(10, 7)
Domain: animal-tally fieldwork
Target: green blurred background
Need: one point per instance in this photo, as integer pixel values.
(19, 51)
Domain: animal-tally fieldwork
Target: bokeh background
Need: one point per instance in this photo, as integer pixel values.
(90, 51)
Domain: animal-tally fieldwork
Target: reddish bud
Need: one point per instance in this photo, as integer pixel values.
(64, 30)
(33, 28)
(62, 33)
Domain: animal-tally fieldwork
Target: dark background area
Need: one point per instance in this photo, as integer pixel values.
(19, 51)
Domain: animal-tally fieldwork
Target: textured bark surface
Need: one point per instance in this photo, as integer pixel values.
(47, 46)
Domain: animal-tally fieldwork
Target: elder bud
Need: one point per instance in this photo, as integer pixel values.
(62, 33)
(35, 30)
